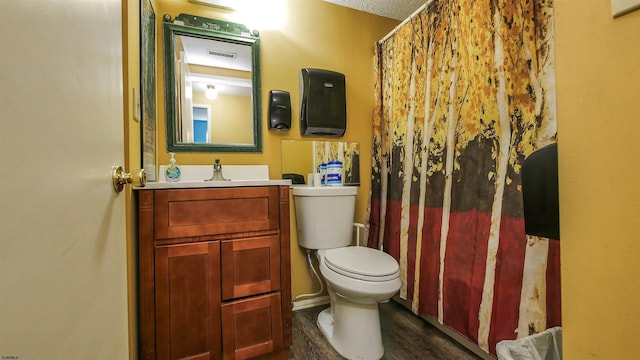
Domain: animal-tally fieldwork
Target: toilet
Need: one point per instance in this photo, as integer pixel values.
(357, 278)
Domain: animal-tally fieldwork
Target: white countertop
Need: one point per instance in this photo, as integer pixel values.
(193, 177)
(211, 184)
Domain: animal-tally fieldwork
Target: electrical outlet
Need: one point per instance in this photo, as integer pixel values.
(621, 7)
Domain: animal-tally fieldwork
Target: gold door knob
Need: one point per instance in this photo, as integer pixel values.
(120, 178)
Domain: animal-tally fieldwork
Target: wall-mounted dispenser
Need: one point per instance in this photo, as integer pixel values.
(323, 103)
(279, 110)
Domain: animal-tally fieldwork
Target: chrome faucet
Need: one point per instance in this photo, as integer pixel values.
(217, 172)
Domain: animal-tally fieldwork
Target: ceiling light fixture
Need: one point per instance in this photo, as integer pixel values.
(211, 92)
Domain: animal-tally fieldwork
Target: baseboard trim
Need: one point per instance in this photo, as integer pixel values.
(309, 303)
(471, 346)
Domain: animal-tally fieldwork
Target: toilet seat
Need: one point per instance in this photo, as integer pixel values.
(362, 263)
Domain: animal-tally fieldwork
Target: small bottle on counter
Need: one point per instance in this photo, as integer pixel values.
(172, 172)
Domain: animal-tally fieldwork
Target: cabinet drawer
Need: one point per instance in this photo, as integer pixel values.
(250, 266)
(251, 327)
(190, 212)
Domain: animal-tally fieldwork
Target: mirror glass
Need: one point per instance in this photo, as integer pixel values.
(212, 86)
(304, 157)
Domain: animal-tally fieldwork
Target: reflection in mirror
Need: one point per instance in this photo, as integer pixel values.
(304, 157)
(215, 83)
(212, 86)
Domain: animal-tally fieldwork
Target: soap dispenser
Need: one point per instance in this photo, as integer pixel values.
(172, 172)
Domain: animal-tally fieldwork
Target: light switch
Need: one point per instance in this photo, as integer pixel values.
(136, 105)
(621, 7)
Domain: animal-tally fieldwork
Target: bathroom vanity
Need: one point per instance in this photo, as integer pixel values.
(214, 270)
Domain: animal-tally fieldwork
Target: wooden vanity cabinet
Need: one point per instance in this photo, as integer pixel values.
(214, 273)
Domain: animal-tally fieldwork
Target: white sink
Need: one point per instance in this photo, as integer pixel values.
(199, 173)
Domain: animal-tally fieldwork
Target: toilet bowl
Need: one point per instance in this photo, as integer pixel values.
(361, 274)
(357, 278)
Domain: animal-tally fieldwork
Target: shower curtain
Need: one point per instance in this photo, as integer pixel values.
(464, 92)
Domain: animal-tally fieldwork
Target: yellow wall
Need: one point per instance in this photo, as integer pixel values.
(598, 83)
(299, 157)
(315, 34)
(230, 118)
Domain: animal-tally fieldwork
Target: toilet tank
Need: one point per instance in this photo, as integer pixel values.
(324, 215)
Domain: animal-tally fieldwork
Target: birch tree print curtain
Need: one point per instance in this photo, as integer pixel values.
(465, 91)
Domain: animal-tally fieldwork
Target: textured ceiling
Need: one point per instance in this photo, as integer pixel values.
(395, 9)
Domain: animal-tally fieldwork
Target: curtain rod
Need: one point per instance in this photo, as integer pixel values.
(390, 34)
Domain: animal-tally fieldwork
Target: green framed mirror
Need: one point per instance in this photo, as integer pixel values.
(212, 86)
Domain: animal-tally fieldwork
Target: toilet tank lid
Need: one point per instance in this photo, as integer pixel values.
(325, 190)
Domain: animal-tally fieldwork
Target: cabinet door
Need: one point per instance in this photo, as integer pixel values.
(250, 266)
(188, 301)
(251, 327)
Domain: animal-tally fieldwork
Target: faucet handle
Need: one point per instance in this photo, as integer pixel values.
(217, 165)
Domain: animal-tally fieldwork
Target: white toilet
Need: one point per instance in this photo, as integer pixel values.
(357, 278)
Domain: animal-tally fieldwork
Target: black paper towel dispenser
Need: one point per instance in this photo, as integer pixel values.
(323, 103)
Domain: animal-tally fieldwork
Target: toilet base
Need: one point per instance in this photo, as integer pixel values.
(356, 332)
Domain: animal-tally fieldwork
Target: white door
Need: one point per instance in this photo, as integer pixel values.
(63, 283)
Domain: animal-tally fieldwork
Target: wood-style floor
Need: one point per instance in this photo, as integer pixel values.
(404, 336)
